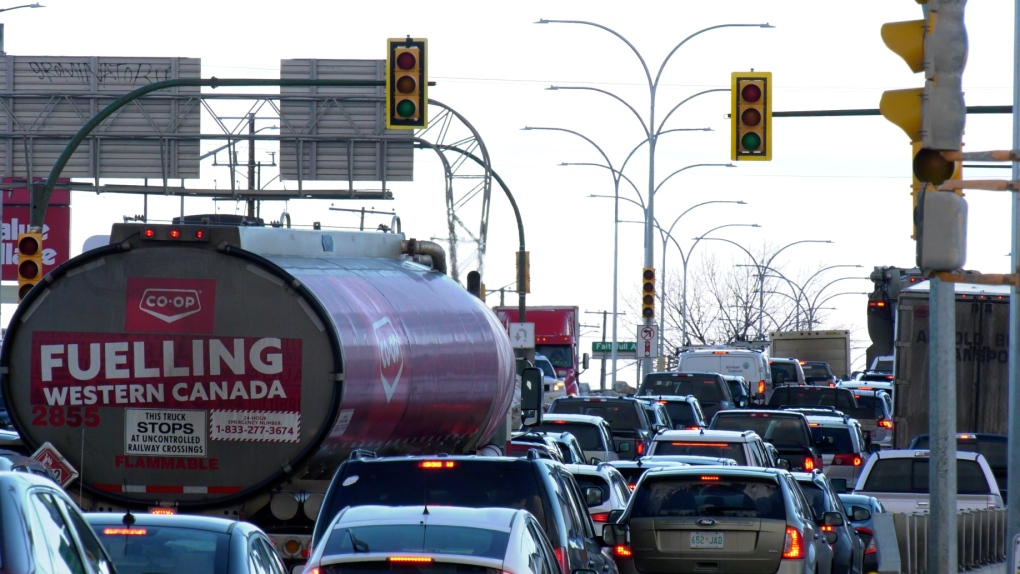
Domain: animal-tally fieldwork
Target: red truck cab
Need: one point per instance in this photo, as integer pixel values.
(557, 336)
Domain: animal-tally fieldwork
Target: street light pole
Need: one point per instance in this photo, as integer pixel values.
(651, 130)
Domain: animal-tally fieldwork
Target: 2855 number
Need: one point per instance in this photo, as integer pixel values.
(57, 416)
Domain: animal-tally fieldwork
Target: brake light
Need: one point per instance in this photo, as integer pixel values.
(761, 387)
(436, 464)
(622, 551)
(561, 557)
(885, 423)
(847, 459)
(306, 553)
(709, 478)
(410, 559)
(312, 571)
(809, 464)
(832, 385)
(639, 447)
(560, 422)
(793, 548)
(869, 540)
(631, 486)
(695, 427)
(162, 511)
(149, 233)
(600, 517)
(175, 234)
(125, 532)
(720, 353)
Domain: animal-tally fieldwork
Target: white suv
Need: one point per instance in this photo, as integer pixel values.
(746, 447)
(840, 441)
(612, 484)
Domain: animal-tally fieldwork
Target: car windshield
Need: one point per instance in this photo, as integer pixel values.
(164, 549)
(703, 448)
(911, 475)
(559, 355)
(841, 399)
(784, 373)
(587, 435)
(546, 367)
(619, 415)
(415, 538)
(869, 407)
(780, 431)
(704, 387)
(682, 413)
(736, 388)
(720, 497)
(815, 372)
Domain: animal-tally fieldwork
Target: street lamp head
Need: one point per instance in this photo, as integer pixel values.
(742, 202)
(766, 25)
(526, 129)
(755, 225)
(554, 88)
(541, 21)
(730, 165)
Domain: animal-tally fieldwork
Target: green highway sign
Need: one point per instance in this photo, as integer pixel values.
(607, 347)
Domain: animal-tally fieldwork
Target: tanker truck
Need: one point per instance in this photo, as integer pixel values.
(228, 370)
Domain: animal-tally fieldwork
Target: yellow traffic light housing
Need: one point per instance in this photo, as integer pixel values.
(751, 116)
(648, 293)
(406, 83)
(30, 265)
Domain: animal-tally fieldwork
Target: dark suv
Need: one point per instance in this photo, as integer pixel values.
(711, 389)
(788, 431)
(807, 396)
(632, 430)
(543, 487)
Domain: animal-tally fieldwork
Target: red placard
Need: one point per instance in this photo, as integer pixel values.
(165, 370)
(56, 238)
(21, 196)
(164, 305)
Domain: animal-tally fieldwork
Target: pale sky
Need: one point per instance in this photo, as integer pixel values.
(837, 178)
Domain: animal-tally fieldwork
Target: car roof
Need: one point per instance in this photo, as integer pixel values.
(706, 435)
(592, 399)
(764, 413)
(645, 462)
(981, 436)
(669, 398)
(728, 471)
(486, 518)
(603, 469)
(833, 420)
(690, 460)
(923, 453)
(684, 374)
(189, 521)
(590, 419)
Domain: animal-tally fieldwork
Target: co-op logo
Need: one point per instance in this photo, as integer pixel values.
(170, 304)
(392, 360)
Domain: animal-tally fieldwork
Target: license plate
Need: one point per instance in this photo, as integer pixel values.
(706, 539)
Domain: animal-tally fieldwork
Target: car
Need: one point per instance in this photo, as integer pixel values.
(853, 385)
(543, 487)
(142, 543)
(720, 519)
(628, 421)
(446, 539)
(818, 373)
(592, 433)
(882, 364)
(786, 371)
(874, 412)
(875, 377)
(746, 447)
(633, 469)
(570, 450)
(691, 460)
(44, 531)
(993, 446)
(861, 509)
(740, 389)
(841, 443)
(748, 363)
(684, 411)
(808, 396)
(711, 389)
(788, 431)
(16, 462)
(899, 478)
(614, 491)
(524, 441)
(552, 385)
(657, 415)
(847, 549)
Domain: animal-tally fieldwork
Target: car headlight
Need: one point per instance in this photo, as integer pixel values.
(558, 386)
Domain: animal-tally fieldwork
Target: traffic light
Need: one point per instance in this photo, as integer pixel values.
(648, 293)
(30, 269)
(751, 116)
(406, 83)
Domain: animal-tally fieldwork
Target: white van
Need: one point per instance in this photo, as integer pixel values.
(752, 365)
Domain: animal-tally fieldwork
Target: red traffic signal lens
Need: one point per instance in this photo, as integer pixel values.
(28, 246)
(28, 270)
(406, 85)
(750, 117)
(750, 141)
(406, 61)
(750, 93)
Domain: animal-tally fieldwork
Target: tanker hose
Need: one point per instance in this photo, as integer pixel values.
(435, 252)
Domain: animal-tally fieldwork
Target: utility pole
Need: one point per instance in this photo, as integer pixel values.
(602, 375)
(251, 164)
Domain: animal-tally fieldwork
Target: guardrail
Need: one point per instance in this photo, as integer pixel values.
(981, 540)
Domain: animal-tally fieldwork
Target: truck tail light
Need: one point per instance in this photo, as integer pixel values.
(809, 464)
(622, 551)
(761, 387)
(639, 447)
(849, 459)
(885, 423)
(793, 548)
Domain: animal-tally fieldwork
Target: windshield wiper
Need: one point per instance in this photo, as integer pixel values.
(358, 545)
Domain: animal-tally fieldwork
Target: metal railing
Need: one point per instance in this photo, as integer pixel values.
(981, 540)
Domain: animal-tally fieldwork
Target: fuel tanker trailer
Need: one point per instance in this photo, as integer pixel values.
(228, 370)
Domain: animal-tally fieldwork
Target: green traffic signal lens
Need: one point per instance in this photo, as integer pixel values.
(406, 60)
(750, 117)
(750, 141)
(24, 289)
(648, 313)
(750, 93)
(406, 85)
(406, 108)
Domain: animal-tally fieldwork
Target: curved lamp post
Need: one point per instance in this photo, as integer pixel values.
(652, 131)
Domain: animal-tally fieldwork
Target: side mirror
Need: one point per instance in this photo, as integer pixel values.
(585, 361)
(742, 402)
(832, 519)
(839, 484)
(593, 496)
(531, 396)
(615, 534)
(830, 536)
(614, 516)
(623, 447)
(874, 447)
(784, 464)
(860, 514)
(594, 461)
